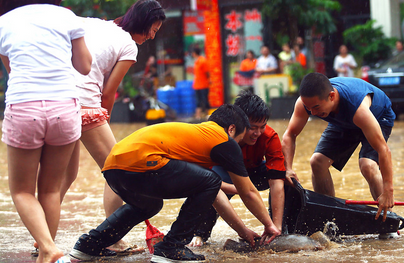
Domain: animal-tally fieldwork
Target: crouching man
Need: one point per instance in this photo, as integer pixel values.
(169, 161)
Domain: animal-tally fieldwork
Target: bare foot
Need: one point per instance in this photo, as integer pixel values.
(196, 242)
(120, 246)
(49, 257)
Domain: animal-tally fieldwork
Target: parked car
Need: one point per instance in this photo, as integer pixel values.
(389, 77)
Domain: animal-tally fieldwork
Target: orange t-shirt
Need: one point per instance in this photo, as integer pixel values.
(248, 64)
(301, 58)
(201, 70)
(152, 147)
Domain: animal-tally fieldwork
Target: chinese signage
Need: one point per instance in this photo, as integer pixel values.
(244, 32)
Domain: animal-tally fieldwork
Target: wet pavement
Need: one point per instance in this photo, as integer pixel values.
(82, 210)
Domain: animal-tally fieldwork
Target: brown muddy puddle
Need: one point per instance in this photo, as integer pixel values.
(82, 210)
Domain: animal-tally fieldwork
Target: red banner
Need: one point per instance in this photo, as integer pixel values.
(203, 4)
(213, 52)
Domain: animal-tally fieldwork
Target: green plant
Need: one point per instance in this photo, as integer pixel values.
(369, 41)
(129, 87)
(292, 14)
(106, 9)
(297, 73)
(282, 39)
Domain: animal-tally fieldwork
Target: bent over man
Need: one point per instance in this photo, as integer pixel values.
(168, 161)
(356, 112)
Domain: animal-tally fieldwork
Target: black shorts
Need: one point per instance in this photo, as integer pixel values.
(339, 145)
(202, 100)
(259, 176)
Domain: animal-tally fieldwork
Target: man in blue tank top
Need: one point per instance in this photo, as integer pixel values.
(356, 112)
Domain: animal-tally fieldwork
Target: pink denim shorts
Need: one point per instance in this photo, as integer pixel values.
(30, 125)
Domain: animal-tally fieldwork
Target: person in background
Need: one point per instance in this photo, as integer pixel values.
(299, 56)
(398, 49)
(356, 112)
(144, 169)
(303, 49)
(41, 44)
(344, 63)
(286, 58)
(150, 76)
(263, 158)
(150, 70)
(266, 63)
(201, 83)
(113, 45)
(247, 66)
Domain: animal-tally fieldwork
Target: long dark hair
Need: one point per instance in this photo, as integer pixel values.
(141, 16)
(8, 5)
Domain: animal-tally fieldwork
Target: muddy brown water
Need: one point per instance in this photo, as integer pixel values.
(82, 210)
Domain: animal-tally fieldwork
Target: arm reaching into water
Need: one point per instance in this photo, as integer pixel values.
(253, 201)
(296, 124)
(226, 211)
(370, 127)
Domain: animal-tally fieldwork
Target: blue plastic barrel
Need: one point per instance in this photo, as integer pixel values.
(169, 97)
(186, 96)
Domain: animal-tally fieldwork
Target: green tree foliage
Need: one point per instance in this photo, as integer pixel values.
(106, 9)
(306, 13)
(369, 41)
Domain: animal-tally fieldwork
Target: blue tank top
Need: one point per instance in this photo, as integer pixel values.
(352, 91)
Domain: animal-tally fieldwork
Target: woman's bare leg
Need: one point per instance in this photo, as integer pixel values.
(71, 171)
(54, 162)
(22, 173)
(99, 142)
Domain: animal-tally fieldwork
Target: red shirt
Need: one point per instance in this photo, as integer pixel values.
(268, 145)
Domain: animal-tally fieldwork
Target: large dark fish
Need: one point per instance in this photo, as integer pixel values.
(287, 243)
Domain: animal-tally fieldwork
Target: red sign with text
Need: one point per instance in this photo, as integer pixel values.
(194, 23)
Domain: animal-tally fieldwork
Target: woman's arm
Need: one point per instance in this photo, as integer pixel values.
(111, 86)
(81, 57)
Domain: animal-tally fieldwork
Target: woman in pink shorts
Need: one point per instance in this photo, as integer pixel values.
(114, 50)
(39, 46)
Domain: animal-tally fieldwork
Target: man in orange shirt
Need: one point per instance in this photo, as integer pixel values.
(201, 83)
(171, 160)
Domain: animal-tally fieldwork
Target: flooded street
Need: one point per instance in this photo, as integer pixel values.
(82, 209)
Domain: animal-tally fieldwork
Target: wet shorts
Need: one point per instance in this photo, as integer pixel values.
(339, 145)
(30, 125)
(93, 118)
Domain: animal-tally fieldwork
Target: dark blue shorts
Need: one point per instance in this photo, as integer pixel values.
(202, 100)
(339, 145)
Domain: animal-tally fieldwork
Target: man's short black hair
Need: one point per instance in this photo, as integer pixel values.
(315, 84)
(253, 106)
(227, 115)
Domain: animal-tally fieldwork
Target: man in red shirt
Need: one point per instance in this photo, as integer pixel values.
(201, 83)
(264, 160)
